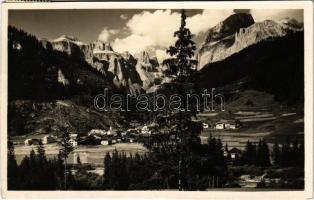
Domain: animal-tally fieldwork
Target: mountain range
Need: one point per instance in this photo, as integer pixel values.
(141, 73)
(123, 70)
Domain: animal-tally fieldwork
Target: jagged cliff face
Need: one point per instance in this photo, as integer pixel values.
(228, 27)
(238, 32)
(118, 71)
(146, 67)
(102, 51)
(61, 78)
(121, 69)
(73, 46)
(117, 68)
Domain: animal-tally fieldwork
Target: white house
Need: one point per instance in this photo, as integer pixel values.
(73, 142)
(47, 139)
(145, 130)
(28, 142)
(73, 135)
(97, 132)
(235, 153)
(104, 142)
(220, 125)
(232, 126)
(111, 131)
(227, 124)
(205, 125)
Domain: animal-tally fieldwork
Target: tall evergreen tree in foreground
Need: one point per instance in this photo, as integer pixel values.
(182, 52)
(192, 160)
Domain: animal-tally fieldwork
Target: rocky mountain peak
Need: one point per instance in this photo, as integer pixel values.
(291, 22)
(66, 38)
(239, 31)
(126, 55)
(229, 26)
(102, 46)
(143, 57)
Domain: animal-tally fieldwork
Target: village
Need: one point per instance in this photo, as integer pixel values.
(233, 132)
(130, 135)
(146, 134)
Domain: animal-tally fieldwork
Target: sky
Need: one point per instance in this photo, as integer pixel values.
(129, 29)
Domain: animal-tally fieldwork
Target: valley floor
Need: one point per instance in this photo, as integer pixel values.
(89, 154)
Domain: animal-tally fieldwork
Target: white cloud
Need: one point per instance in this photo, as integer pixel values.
(124, 16)
(133, 43)
(159, 25)
(207, 19)
(155, 29)
(106, 33)
(149, 30)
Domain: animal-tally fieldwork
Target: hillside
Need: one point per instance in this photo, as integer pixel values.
(274, 66)
(36, 118)
(43, 81)
(37, 72)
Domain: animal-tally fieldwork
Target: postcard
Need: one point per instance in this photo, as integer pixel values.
(174, 100)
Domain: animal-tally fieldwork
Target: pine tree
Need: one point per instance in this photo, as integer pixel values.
(60, 170)
(226, 148)
(259, 154)
(78, 160)
(181, 64)
(183, 51)
(44, 172)
(12, 167)
(66, 149)
(276, 154)
(34, 168)
(294, 152)
(286, 153)
(265, 155)
(249, 155)
(107, 163)
(41, 152)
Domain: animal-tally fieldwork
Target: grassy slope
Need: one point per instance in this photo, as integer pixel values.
(31, 118)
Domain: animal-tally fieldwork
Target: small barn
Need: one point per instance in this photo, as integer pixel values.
(235, 153)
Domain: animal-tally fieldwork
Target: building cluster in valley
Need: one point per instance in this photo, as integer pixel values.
(223, 124)
(135, 133)
(101, 136)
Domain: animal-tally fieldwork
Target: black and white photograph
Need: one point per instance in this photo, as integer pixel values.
(156, 99)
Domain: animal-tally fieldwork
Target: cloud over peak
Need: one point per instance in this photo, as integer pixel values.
(154, 29)
(106, 33)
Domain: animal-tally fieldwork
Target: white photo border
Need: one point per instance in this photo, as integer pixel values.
(307, 6)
